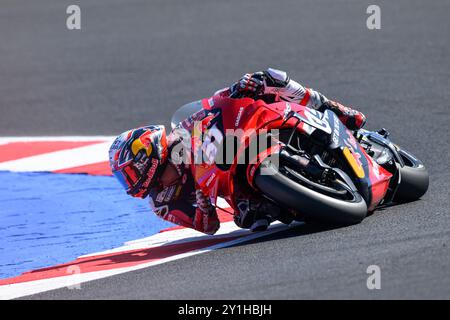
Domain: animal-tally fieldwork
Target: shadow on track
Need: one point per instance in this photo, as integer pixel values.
(295, 231)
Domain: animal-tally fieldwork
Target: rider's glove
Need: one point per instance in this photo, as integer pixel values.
(205, 219)
(250, 84)
(203, 203)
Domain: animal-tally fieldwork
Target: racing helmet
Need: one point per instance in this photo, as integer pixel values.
(136, 158)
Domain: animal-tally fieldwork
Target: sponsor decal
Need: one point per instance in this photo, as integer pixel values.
(170, 192)
(211, 178)
(351, 142)
(238, 118)
(161, 211)
(211, 140)
(313, 116)
(199, 115)
(354, 160)
(171, 218)
(287, 110)
(151, 173)
(336, 131)
(186, 124)
(160, 197)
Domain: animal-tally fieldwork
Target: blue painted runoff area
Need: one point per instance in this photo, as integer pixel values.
(48, 218)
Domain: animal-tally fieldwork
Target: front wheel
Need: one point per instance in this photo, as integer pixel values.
(414, 179)
(337, 206)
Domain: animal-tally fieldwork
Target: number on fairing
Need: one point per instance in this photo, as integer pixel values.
(212, 138)
(314, 117)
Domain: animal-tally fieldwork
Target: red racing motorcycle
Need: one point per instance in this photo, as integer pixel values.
(304, 161)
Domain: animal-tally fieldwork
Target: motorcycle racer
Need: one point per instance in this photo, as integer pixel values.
(145, 160)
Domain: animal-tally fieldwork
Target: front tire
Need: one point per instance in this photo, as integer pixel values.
(414, 179)
(310, 203)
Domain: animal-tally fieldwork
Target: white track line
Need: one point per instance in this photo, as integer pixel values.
(227, 229)
(58, 160)
(4, 140)
(75, 280)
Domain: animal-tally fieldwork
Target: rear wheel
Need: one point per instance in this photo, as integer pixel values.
(333, 204)
(414, 179)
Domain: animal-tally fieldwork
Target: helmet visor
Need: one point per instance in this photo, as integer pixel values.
(138, 175)
(128, 176)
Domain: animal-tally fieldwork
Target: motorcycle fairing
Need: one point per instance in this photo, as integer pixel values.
(372, 179)
(249, 115)
(243, 114)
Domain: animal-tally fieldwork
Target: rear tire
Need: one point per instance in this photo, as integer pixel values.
(310, 203)
(414, 179)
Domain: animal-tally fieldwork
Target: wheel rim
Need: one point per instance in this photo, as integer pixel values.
(339, 190)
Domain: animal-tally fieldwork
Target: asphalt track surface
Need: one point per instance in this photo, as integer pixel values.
(136, 62)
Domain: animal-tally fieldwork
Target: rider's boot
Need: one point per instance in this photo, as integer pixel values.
(260, 225)
(352, 119)
(256, 214)
(244, 217)
(249, 216)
